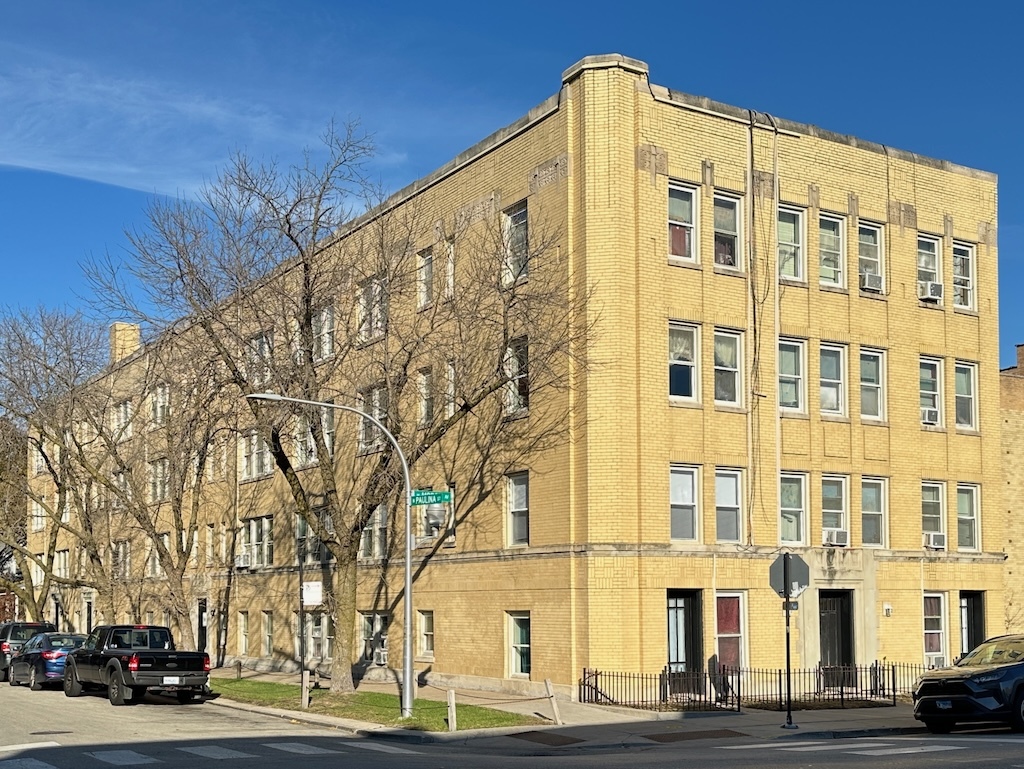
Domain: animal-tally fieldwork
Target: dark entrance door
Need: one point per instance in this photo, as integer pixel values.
(835, 625)
(685, 631)
(201, 634)
(972, 619)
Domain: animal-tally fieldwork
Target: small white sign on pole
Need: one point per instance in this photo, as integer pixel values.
(312, 593)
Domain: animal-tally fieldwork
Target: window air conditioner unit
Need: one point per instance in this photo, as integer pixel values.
(869, 281)
(835, 537)
(927, 291)
(935, 540)
(243, 561)
(380, 656)
(929, 416)
(936, 662)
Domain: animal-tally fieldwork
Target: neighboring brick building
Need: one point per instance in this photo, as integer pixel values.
(840, 402)
(1011, 382)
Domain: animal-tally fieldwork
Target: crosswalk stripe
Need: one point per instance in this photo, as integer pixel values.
(847, 746)
(766, 745)
(377, 746)
(122, 757)
(298, 747)
(25, 763)
(904, 751)
(28, 746)
(214, 751)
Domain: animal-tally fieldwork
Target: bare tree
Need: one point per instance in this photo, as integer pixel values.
(458, 331)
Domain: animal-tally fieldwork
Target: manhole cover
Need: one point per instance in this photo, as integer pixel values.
(547, 738)
(710, 734)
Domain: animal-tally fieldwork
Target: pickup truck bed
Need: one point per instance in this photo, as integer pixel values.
(128, 660)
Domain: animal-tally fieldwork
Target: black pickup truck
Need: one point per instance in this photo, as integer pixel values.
(129, 659)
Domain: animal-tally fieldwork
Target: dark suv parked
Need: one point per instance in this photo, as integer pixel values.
(13, 636)
(986, 684)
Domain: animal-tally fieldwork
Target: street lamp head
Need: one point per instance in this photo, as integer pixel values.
(264, 397)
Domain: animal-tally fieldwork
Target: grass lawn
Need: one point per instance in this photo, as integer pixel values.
(374, 707)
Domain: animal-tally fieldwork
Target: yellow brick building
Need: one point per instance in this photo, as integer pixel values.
(794, 348)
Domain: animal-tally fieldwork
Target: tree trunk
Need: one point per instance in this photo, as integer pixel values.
(344, 624)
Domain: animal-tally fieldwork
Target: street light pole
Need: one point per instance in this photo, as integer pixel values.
(407, 672)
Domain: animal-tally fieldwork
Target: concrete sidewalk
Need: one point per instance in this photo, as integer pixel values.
(595, 726)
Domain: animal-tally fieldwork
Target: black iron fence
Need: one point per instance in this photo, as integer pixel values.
(877, 684)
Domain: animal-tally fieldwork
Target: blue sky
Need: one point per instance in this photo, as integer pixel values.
(106, 103)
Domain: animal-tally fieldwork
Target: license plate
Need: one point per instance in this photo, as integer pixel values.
(172, 679)
(944, 704)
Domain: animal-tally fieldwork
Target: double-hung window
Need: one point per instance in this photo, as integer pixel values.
(727, 368)
(159, 480)
(123, 413)
(833, 379)
(934, 630)
(728, 526)
(872, 384)
(256, 459)
(967, 516)
(519, 646)
(833, 503)
(260, 352)
(373, 539)
(122, 558)
(931, 391)
(159, 404)
(933, 518)
(243, 633)
(966, 395)
(373, 309)
(683, 503)
(792, 382)
(373, 401)
(963, 276)
(792, 507)
(268, 634)
(517, 369)
(682, 222)
(514, 225)
(448, 290)
(928, 261)
(38, 514)
(869, 256)
(425, 274)
(323, 332)
(259, 540)
(727, 232)
(682, 361)
(831, 251)
(426, 624)
(872, 511)
(729, 629)
(449, 389)
(519, 508)
(426, 388)
(791, 243)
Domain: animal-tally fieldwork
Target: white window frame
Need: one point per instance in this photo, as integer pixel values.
(425, 385)
(256, 459)
(153, 566)
(449, 269)
(882, 513)
(795, 247)
(797, 512)
(373, 401)
(425, 623)
(373, 629)
(689, 227)
(519, 652)
(931, 399)
(373, 312)
(515, 230)
(684, 505)
(968, 520)
(259, 540)
(38, 515)
(871, 257)
(159, 480)
(268, 633)
(934, 520)
(323, 333)
(518, 505)
(123, 414)
(798, 379)
(736, 236)
(260, 356)
(964, 268)
(121, 558)
(968, 399)
(873, 386)
(517, 369)
(425, 278)
(243, 634)
(160, 403)
(835, 509)
(62, 564)
(449, 389)
(929, 258)
(678, 360)
(373, 539)
(829, 275)
(938, 629)
(724, 479)
(741, 608)
(723, 371)
(831, 384)
(211, 543)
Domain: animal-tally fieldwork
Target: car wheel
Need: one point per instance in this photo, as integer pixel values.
(938, 727)
(1017, 721)
(35, 679)
(72, 687)
(10, 676)
(115, 690)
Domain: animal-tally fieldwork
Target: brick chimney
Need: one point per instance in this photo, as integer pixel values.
(125, 339)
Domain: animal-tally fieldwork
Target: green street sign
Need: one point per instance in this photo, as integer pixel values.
(422, 497)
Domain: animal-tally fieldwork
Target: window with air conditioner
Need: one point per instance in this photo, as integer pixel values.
(929, 269)
(933, 513)
(869, 256)
(931, 391)
(833, 510)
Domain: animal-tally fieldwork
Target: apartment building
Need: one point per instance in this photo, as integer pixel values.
(791, 345)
